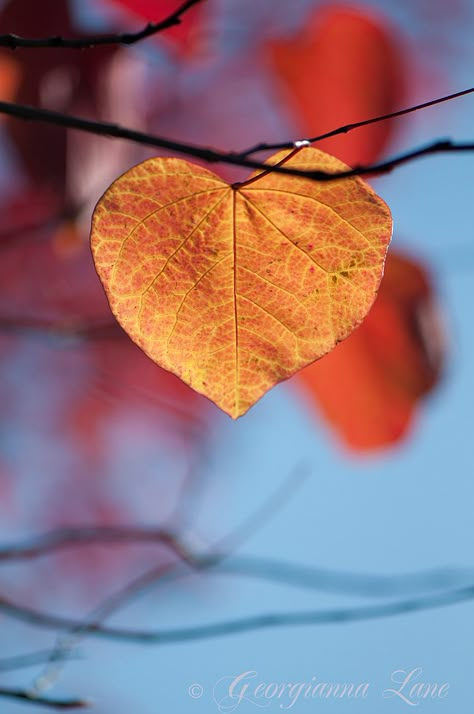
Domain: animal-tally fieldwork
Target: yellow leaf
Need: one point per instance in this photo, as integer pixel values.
(234, 289)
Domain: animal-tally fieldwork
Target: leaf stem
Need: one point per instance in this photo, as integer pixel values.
(268, 170)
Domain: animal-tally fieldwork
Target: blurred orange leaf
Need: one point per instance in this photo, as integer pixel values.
(344, 66)
(368, 387)
(234, 289)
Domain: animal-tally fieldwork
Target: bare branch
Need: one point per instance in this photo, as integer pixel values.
(24, 661)
(54, 622)
(273, 570)
(77, 629)
(62, 538)
(334, 616)
(338, 582)
(139, 585)
(208, 155)
(224, 563)
(346, 128)
(311, 618)
(13, 41)
(30, 698)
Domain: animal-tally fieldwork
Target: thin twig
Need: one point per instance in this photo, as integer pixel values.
(141, 584)
(24, 661)
(13, 41)
(223, 562)
(333, 581)
(260, 568)
(62, 538)
(346, 128)
(28, 113)
(30, 698)
(37, 618)
(310, 618)
(334, 616)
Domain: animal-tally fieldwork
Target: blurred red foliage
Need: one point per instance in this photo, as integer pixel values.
(182, 35)
(369, 386)
(346, 65)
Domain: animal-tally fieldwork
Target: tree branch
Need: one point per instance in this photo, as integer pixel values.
(13, 41)
(149, 578)
(346, 128)
(30, 698)
(208, 155)
(298, 576)
(334, 616)
(42, 619)
(220, 563)
(62, 538)
(310, 618)
(24, 661)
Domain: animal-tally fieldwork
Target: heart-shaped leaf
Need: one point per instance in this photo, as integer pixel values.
(234, 289)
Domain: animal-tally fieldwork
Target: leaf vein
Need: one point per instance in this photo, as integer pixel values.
(267, 312)
(146, 218)
(319, 202)
(187, 293)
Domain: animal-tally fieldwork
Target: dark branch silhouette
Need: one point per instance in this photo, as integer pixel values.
(14, 42)
(27, 113)
(357, 125)
(29, 697)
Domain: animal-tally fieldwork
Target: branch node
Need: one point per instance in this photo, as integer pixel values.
(300, 143)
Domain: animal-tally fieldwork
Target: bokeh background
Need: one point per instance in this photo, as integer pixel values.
(358, 469)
